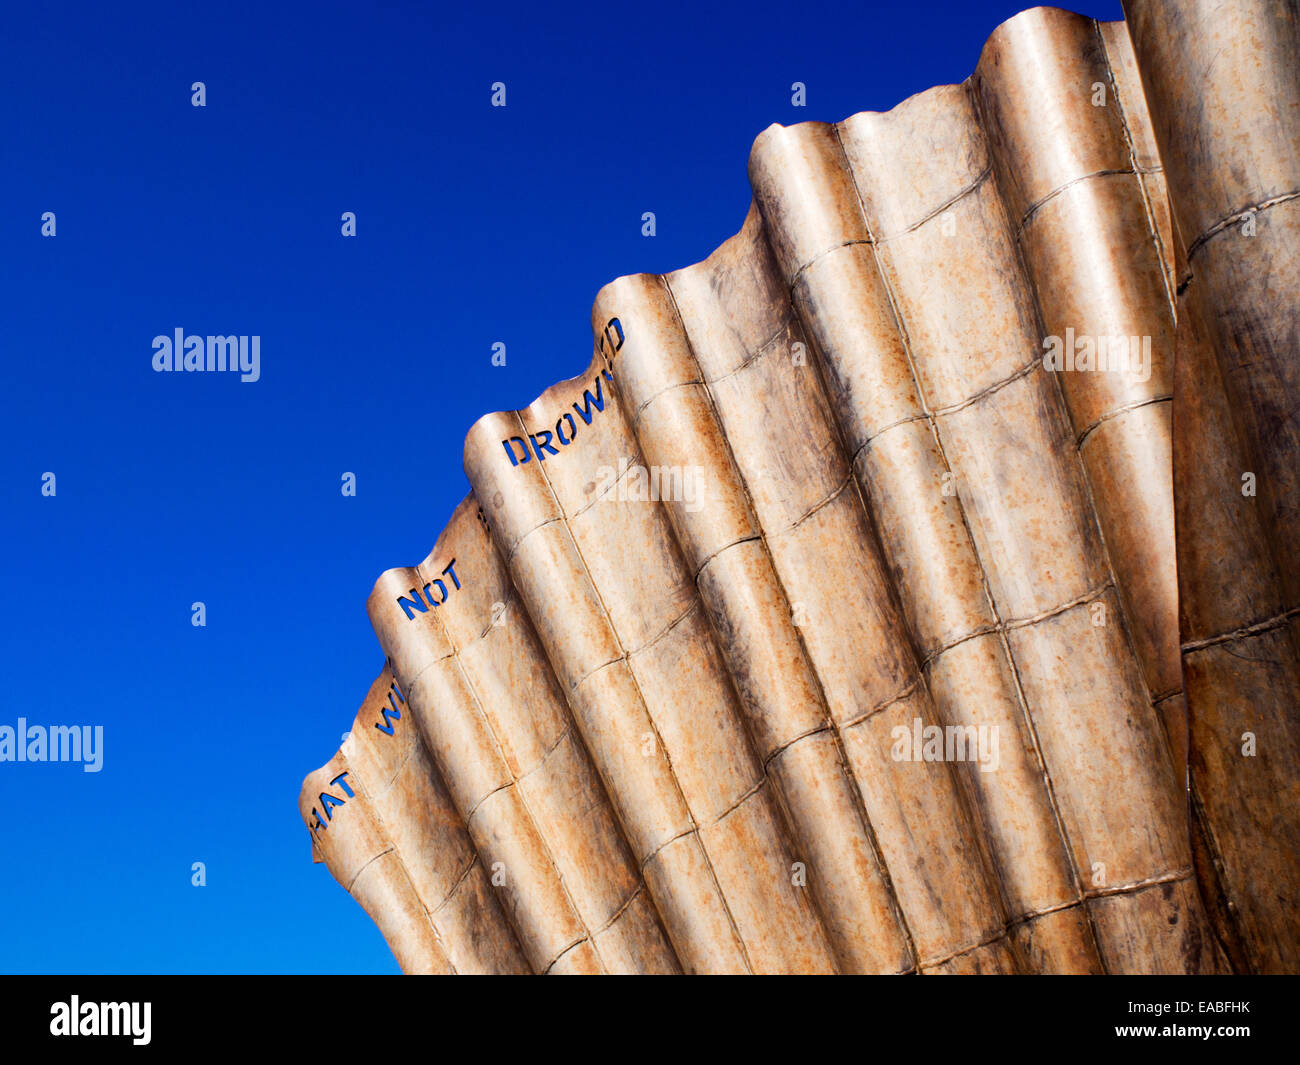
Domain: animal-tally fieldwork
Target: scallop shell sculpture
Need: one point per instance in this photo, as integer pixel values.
(910, 586)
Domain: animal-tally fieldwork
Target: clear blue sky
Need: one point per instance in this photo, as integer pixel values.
(474, 225)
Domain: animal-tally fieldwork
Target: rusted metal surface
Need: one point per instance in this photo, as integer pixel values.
(666, 694)
(1225, 99)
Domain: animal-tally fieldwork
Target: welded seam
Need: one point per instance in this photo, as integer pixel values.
(1238, 215)
(1243, 633)
(1116, 412)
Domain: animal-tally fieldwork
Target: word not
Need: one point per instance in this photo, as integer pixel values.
(58, 743)
(636, 484)
(417, 601)
(1118, 354)
(102, 1018)
(950, 743)
(387, 714)
(541, 441)
(191, 355)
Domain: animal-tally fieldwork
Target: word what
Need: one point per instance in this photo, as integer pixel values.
(328, 801)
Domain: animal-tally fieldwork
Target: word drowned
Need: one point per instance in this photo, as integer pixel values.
(518, 449)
